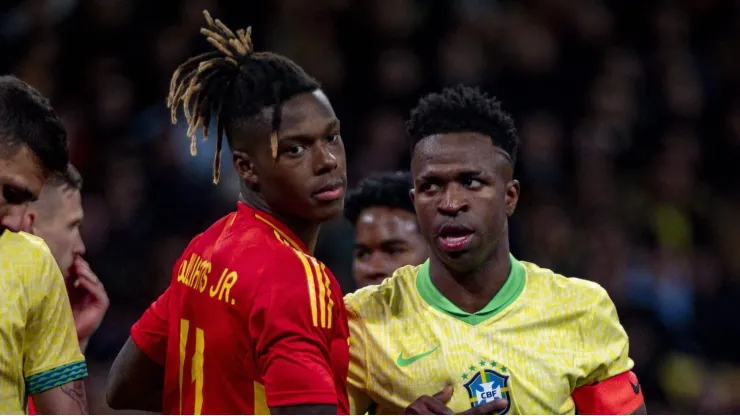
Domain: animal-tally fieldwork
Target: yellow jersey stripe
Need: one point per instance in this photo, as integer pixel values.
(327, 283)
(322, 292)
(260, 400)
(290, 241)
(184, 328)
(311, 285)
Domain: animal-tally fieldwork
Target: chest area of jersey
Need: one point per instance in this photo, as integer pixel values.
(482, 363)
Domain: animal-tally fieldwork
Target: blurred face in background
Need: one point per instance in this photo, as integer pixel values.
(56, 217)
(21, 181)
(386, 239)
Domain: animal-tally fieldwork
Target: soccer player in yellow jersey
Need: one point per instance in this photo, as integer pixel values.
(473, 326)
(39, 352)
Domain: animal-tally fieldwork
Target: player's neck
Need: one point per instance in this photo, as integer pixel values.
(472, 290)
(307, 232)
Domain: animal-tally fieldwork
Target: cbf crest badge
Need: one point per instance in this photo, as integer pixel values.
(487, 382)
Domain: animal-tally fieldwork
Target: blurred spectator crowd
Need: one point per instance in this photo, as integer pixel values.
(628, 111)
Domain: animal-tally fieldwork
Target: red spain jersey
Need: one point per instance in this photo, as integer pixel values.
(250, 321)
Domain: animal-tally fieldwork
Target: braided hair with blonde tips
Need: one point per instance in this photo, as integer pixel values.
(232, 85)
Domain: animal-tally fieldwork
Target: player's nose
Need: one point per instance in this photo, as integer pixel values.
(79, 248)
(12, 218)
(452, 201)
(324, 159)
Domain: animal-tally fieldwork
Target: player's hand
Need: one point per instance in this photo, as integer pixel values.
(89, 301)
(437, 405)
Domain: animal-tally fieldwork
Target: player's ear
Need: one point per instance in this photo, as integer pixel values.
(244, 165)
(29, 219)
(512, 196)
(412, 195)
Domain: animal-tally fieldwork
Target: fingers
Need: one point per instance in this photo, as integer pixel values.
(83, 269)
(88, 281)
(95, 289)
(426, 405)
(444, 395)
(489, 408)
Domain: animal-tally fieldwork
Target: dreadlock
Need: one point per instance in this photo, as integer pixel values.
(232, 85)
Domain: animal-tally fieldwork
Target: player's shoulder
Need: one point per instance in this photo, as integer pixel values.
(385, 298)
(568, 292)
(10, 241)
(23, 248)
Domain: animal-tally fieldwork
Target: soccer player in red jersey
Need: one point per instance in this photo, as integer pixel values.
(251, 322)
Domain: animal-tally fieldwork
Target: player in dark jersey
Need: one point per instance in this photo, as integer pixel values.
(251, 321)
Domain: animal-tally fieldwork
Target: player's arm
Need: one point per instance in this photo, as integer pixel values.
(53, 364)
(357, 376)
(66, 399)
(136, 379)
(292, 343)
(610, 386)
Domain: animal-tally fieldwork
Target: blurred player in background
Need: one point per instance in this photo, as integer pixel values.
(477, 327)
(251, 321)
(56, 217)
(39, 353)
(387, 234)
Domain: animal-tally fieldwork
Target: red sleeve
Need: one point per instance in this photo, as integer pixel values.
(149, 333)
(618, 395)
(292, 341)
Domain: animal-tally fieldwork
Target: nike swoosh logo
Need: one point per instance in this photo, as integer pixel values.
(403, 362)
(635, 387)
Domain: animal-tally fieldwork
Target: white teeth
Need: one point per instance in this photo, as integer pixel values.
(454, 240)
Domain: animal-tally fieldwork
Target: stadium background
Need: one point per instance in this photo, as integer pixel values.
(628, 111)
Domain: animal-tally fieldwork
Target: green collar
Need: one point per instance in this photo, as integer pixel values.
(506, 296)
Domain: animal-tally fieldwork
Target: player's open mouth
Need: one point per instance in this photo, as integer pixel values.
(454, 237)
(330, 192)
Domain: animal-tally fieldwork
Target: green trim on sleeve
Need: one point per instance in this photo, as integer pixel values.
(55, 377)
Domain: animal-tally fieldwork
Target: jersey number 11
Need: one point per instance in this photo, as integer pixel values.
(196, 371)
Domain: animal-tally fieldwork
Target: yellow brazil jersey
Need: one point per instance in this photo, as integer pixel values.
(542, 336)
(38, 343)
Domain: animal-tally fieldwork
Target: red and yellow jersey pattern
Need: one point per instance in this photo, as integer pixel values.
(250, 321)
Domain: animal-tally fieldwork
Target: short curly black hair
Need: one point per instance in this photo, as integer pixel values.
(386, 189)
(463, 109)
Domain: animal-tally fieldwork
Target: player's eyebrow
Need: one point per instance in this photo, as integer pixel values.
(332, 125)
(21, 192)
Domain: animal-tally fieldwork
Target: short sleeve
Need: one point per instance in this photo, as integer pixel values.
(52, 354)
(608, 386)
(149, 333)
(359, 400)
(291, 331)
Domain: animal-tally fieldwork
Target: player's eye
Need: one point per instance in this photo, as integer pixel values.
(396, 251)
(428, 187)
(471, 183)
(296, 150)
(334, 137)
(362, 255)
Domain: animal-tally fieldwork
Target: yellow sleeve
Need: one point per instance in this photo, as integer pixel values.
(359, 400)
(51, 352)
(605, 344)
